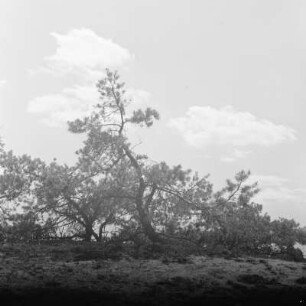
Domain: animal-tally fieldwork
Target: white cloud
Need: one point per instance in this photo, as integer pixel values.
(279, 198)
(205, 126)
(234, 154)
(85, 55)
(138, 97)
(70, 104)
(75, 102)
(2, 83)
(277, 188)
(83, 52)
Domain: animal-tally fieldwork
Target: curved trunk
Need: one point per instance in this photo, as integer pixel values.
(146, 224)
(143, 215)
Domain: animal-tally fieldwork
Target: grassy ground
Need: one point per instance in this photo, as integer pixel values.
(58, 274)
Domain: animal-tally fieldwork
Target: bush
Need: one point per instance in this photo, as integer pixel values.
(290, 253)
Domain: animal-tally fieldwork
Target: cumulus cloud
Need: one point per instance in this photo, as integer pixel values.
(138, 97)
(86, 54)
(277, 188)
(279, 198)
(2, 83)
(205, 126)
(234, 154)
(75, 102)
(70, 104)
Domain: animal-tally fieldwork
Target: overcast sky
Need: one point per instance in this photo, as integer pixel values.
(228, 78)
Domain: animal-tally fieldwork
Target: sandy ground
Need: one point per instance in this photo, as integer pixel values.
(60, 274)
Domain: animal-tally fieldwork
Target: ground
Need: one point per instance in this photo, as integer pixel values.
(62, 273)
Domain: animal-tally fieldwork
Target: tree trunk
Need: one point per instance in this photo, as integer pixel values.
(143, 215)
(147, 226)
(88, 233)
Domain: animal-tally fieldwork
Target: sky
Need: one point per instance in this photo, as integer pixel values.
(227, 77)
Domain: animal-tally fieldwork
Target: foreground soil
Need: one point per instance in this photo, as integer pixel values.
(81, 274)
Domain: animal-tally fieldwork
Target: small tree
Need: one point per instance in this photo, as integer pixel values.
(107, 149)
(284, 233)
(19, 176)
(78, 200)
